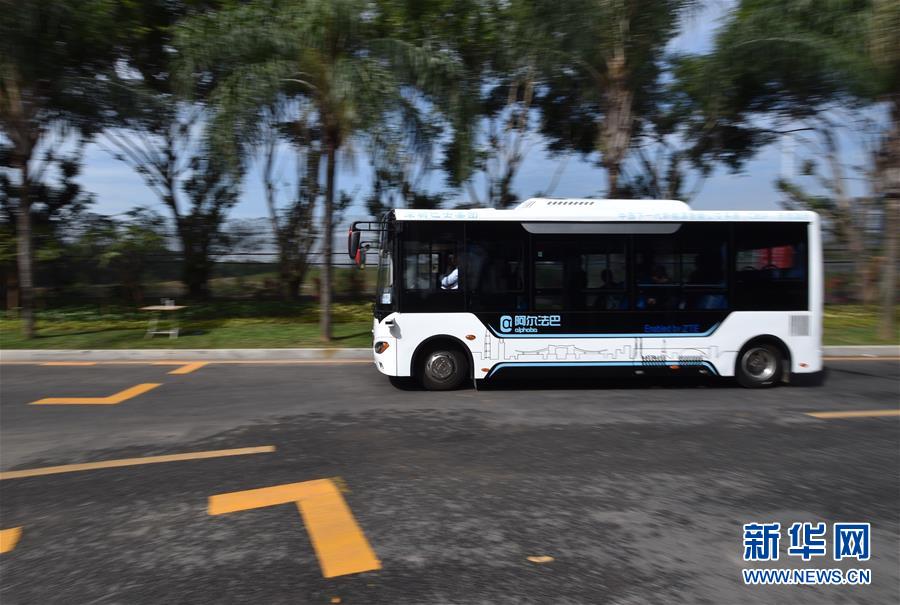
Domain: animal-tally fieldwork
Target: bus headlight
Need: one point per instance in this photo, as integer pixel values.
(381, 346)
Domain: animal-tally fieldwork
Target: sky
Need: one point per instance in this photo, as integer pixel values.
(117, 188)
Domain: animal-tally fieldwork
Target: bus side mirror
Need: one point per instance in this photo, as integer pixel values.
(353, 244)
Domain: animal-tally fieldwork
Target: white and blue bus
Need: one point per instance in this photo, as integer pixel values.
(562, 286)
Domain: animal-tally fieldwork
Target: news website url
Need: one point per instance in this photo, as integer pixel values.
(808, 577)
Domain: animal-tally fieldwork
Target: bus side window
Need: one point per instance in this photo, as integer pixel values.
(431, 276)
(771, 266)
(494, 267)
(704, 259)
(658, 269)
(598, 281)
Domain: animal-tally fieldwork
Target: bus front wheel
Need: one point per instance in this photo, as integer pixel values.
(442, 369)
(759, 365)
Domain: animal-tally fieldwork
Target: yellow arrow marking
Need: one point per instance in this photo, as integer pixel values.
(113, 399)
(854, 414)
(9, 538)
(340, 544)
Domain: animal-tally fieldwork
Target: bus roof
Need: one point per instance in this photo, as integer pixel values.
(602, 210)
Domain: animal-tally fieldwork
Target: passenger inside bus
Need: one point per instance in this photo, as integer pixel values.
(450, 281)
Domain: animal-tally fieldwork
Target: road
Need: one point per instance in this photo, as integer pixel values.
(590, 493)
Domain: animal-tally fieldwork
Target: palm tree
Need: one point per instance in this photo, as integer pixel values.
(324, 53)
(49, 54)
(602, 73)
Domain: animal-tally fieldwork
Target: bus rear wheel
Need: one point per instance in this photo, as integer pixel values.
(759, 365)
(442, 369)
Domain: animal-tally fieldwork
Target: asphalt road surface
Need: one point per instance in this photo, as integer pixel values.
(618, 493)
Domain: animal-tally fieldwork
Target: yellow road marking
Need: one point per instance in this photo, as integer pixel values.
(115, 398)
(90, 466)
(69, 363)
(9, 538)
(340, 544)
(189, 367)
(854, 414)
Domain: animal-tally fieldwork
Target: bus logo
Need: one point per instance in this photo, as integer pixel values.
(528, 323)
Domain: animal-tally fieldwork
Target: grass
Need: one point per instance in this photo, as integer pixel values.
(250, 324)
(270, 324)
(856, 325)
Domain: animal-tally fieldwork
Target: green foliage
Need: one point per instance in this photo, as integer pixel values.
(787, 60)
(50, 53)
(602, 73)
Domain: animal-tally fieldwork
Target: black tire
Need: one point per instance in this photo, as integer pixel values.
(759, 365)
(404, 383)
(442, 368)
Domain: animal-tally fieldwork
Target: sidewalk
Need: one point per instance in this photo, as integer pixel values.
(337, 354)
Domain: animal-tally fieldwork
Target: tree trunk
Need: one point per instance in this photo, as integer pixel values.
(327, 229)
(12, 291)
(887, 328)
(293, 289)
(196, 276)
(282, 239)
(195, 264)
(851, 227)
(24, 253)
(889, 167)
(615, 132)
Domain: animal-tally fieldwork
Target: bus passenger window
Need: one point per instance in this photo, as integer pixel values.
(494, 259)
(771, 266)
(658, 269)
(704, 257)
(549, 276)
(604, 284)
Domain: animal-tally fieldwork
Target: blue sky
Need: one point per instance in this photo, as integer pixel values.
(117, 188)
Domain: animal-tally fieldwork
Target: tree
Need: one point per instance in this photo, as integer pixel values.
(822, 186)
(401, 153)
(324, 52)
(50, 54)
(664, 163)
(487, 105)
(600, 76)
(125, 247)
(293, 227)
(55, 199)
(162, 139)
(778, 65)
(153, 128)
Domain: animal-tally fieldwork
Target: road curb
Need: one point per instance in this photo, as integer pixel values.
(863, 351)
(295, 354)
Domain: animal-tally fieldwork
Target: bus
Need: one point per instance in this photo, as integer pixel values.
(559, 287)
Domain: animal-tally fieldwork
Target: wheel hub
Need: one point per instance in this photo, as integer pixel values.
(760, 363)
(440, 366)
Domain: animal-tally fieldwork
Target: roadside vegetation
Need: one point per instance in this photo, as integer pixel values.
(276, 324)
(244, 324)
